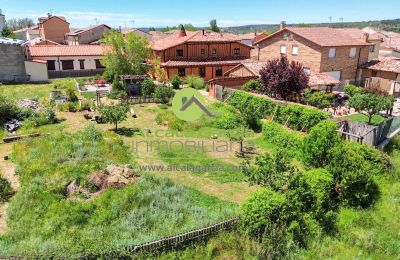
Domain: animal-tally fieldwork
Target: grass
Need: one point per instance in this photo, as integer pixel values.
(89, 95)
(217, 170)
(20, 91)
(42, 220)
(376, 119)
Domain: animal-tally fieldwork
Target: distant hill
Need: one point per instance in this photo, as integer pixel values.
(387, 25)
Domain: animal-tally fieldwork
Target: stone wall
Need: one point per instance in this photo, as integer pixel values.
(12, 64)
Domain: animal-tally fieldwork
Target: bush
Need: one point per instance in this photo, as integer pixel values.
(85, 105)
(351, 90)
(252, 86)
(147, 87)
(164, 94)
(108, 76)
(226, 117)
(353, 177)
(68, 106)
(318, 98)
(313, 192)
(5, 189)
(195, 82)
(319, 142)
(174, 123)
(278, 135)
(261, 209)
(8, 110)
(176, 82)
(118, 86)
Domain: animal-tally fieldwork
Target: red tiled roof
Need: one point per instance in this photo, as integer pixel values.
(389, 64)
(80, 31)
(66, 50)
(191, 62)
(324, 36)
(174, 39)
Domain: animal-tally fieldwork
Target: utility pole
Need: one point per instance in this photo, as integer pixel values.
(330, 20)
(341, 20)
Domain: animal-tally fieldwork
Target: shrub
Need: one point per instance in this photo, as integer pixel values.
(195, 82)
(147, 87)
(252, 86)
(85, 105)
(169, 117)
(318, 143)
(8, 110)
(71, 93)
(164, 94)
(225, 117)
(313, 192)
(108, 76)
(284, 138)
(118, 85)
(114, 114)
(351, 90)
(353, 177)
(176, 82)
(5, 189)
(68, 106)
(318, 98)
(261, 209)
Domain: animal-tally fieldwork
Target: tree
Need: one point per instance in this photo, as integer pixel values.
(126, 55)
(114, 114)
(370, 104)
(164, 94)
(195, 82)
(319, 142)
(8, 33)
(283, 78)
(213, 26)
(252, 86)
(351, 90)
(16, 24)
(147, 87)
(318, 98)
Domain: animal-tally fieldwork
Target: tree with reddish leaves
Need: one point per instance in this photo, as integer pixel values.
(284, 79)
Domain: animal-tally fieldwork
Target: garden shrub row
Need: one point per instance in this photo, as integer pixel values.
(297, 117)
(278, 135)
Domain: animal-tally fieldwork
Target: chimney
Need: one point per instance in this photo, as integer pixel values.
(255, 33)
(282, 25)
(202, 31)
(366, 37)
(182, 33)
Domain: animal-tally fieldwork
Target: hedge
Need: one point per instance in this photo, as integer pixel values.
(278, 135)
(297, 117)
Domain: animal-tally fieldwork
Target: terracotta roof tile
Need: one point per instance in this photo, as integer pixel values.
(389, 64)
(191, 62)
(66, 50)
(83, 30)
(324, 36)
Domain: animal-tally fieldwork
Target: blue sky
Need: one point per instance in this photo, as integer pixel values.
(146, 13)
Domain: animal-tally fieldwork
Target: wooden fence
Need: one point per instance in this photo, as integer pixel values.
(159, 245)
(138, 100)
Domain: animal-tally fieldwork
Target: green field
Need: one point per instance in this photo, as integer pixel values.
(376, 119)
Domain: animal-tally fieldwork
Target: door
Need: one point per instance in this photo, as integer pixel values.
(335, 74)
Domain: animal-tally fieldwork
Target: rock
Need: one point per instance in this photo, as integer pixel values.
(97, 179)
(72, 188)
(27, 103)
(12, 125)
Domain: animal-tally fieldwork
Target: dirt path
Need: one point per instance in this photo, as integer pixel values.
(7, 170)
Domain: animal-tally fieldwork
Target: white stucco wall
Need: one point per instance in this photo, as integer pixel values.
(89, 61)
(37, 71)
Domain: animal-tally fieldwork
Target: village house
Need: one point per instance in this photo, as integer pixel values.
(88, 35)
(201, 53)
(336, 52)
(236, 77)
(390, 46)
(28, 33)
(383, 72)
(53, 28)
(68, 60)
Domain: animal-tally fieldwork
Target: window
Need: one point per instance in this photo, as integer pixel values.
(214, 51)
(283, 49)
(98, 64)
(181, 72)
(67, 64)
(332, 53)
(295, 50)
(353, 52)
(179, 53)
(372, 48)
(218, 72)
(202, 52)
(82, 64)
(236, 51)
(202, 72)
(51, 65)
(307, 70)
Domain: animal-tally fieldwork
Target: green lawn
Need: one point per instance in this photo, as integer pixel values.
(376, 119)
(42, 220)
(20, 91)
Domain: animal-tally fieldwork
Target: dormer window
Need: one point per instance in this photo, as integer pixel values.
(236, 51)
(179, 53)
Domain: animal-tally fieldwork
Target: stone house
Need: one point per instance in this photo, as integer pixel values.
(336, 52)
(88, 35)
(53, 28)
